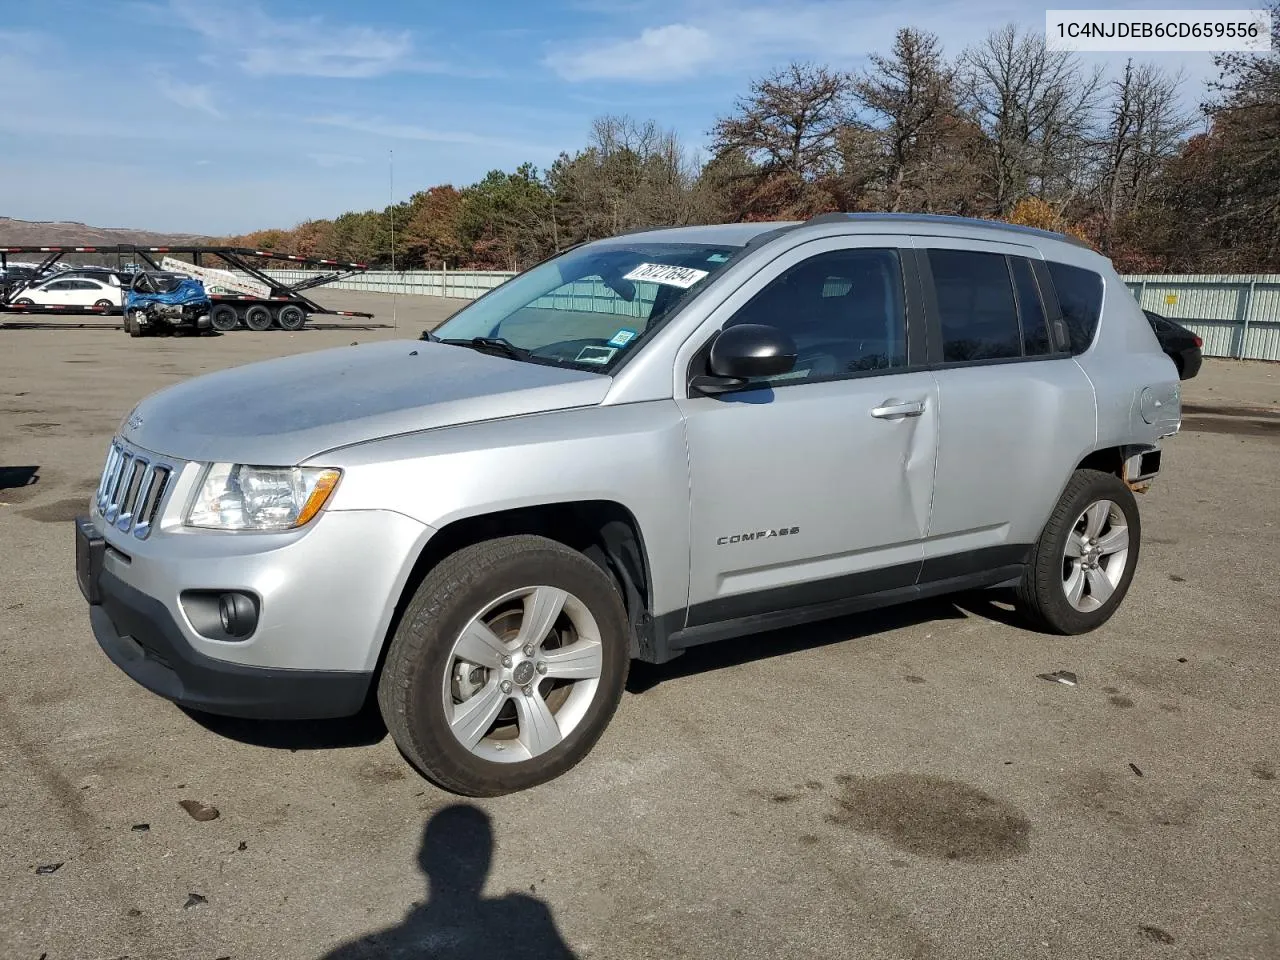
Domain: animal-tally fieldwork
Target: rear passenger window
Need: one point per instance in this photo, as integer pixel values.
(1080, 296)
(975, 302)
(1035, 330)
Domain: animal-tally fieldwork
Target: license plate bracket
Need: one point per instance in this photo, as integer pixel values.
(90, 549)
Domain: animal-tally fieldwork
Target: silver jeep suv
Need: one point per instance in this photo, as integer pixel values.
(643, 444)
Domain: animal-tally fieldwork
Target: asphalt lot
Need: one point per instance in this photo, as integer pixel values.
(893, 785)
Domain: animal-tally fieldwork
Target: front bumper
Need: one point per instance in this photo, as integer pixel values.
(141, 637)
(324, 609)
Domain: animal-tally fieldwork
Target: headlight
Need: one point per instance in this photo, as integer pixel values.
(239, 497)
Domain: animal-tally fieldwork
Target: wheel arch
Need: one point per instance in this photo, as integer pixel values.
(605, 531)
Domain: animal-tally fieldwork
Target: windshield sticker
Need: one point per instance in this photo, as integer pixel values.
(718, 258)
(622, 338)
(682, 277)
(595, 355)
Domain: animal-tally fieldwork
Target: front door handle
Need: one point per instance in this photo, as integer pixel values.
(891, 411)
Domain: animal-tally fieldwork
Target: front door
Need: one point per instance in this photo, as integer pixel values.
(814, 487)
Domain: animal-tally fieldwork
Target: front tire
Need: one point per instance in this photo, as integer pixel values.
(1083, 562)
(132, 324)
(507, 666)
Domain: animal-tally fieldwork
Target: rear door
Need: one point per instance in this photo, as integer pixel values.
(1016, 411)
(813, 487)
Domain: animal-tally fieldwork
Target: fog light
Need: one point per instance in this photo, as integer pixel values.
(222, 614)
(237, 613)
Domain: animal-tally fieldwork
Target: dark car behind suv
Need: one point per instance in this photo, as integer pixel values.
(1182, 346)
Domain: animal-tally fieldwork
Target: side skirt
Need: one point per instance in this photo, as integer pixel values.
(668, 638)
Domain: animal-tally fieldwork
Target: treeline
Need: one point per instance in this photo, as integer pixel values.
(1007, 129)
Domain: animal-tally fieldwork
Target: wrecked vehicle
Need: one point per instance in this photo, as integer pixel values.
(643, 444)
(160, 302)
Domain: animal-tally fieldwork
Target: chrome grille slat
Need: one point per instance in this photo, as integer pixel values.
(138, 476)
(132, 489)
(113, 498)
(149, 500)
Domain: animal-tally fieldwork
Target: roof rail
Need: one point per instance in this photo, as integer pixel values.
(944, 220)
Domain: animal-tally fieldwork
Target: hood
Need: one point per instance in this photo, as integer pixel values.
(284, 411)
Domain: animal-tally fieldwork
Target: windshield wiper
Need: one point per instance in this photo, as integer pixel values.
(495, 344)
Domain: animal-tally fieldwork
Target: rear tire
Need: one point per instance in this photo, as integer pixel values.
(104, 305)
(257, 318)
(291, 317)
(223, 317)
(24, 302)
(497, 590)
(1083, 562)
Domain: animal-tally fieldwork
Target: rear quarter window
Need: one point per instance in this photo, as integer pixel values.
(1080, 296)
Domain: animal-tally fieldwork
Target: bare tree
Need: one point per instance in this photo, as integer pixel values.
(789, 121)
(1036, 107)
(910, 95)
(1145, 127)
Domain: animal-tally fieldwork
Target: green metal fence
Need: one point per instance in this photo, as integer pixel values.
(1237, 315)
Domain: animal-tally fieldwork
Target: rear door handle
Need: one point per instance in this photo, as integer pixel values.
(891, 411)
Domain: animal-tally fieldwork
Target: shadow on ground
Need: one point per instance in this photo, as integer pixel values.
(362, 730)
(995, 604)
(457, 921)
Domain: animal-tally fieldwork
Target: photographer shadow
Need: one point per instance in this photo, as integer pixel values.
(457, 922)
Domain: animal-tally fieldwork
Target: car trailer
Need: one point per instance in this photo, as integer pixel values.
(283, 305)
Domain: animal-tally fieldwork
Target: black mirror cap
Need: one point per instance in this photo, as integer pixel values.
(752, 350)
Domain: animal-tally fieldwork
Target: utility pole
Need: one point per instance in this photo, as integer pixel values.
(391, 211)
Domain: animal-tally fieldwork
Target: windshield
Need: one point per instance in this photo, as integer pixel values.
(591, 306)
(157, 282)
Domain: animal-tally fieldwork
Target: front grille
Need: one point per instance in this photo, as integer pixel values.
(132, 489)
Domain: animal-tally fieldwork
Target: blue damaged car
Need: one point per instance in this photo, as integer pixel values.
(160, 302)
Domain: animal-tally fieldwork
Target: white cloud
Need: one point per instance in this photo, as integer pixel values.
(672, 52)
(715, 37)
(190, 96)
(264, 46)
(379, 127)
(203, 163)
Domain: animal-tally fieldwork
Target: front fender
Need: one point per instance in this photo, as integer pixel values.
(632, 454)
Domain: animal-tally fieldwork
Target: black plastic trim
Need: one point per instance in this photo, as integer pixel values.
(764, 603)
(972, 562)
(140, 636)
(838, 596)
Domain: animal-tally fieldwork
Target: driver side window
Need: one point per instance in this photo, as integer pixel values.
(845, 310)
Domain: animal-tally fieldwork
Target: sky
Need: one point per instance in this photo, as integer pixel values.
(224, 116)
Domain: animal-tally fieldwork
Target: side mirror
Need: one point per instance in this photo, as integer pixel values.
(744, 351)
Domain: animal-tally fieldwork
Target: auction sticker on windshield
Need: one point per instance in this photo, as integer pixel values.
(595, 355)
(683, 277)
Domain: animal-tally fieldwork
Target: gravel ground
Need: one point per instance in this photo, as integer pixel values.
(892, 785)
